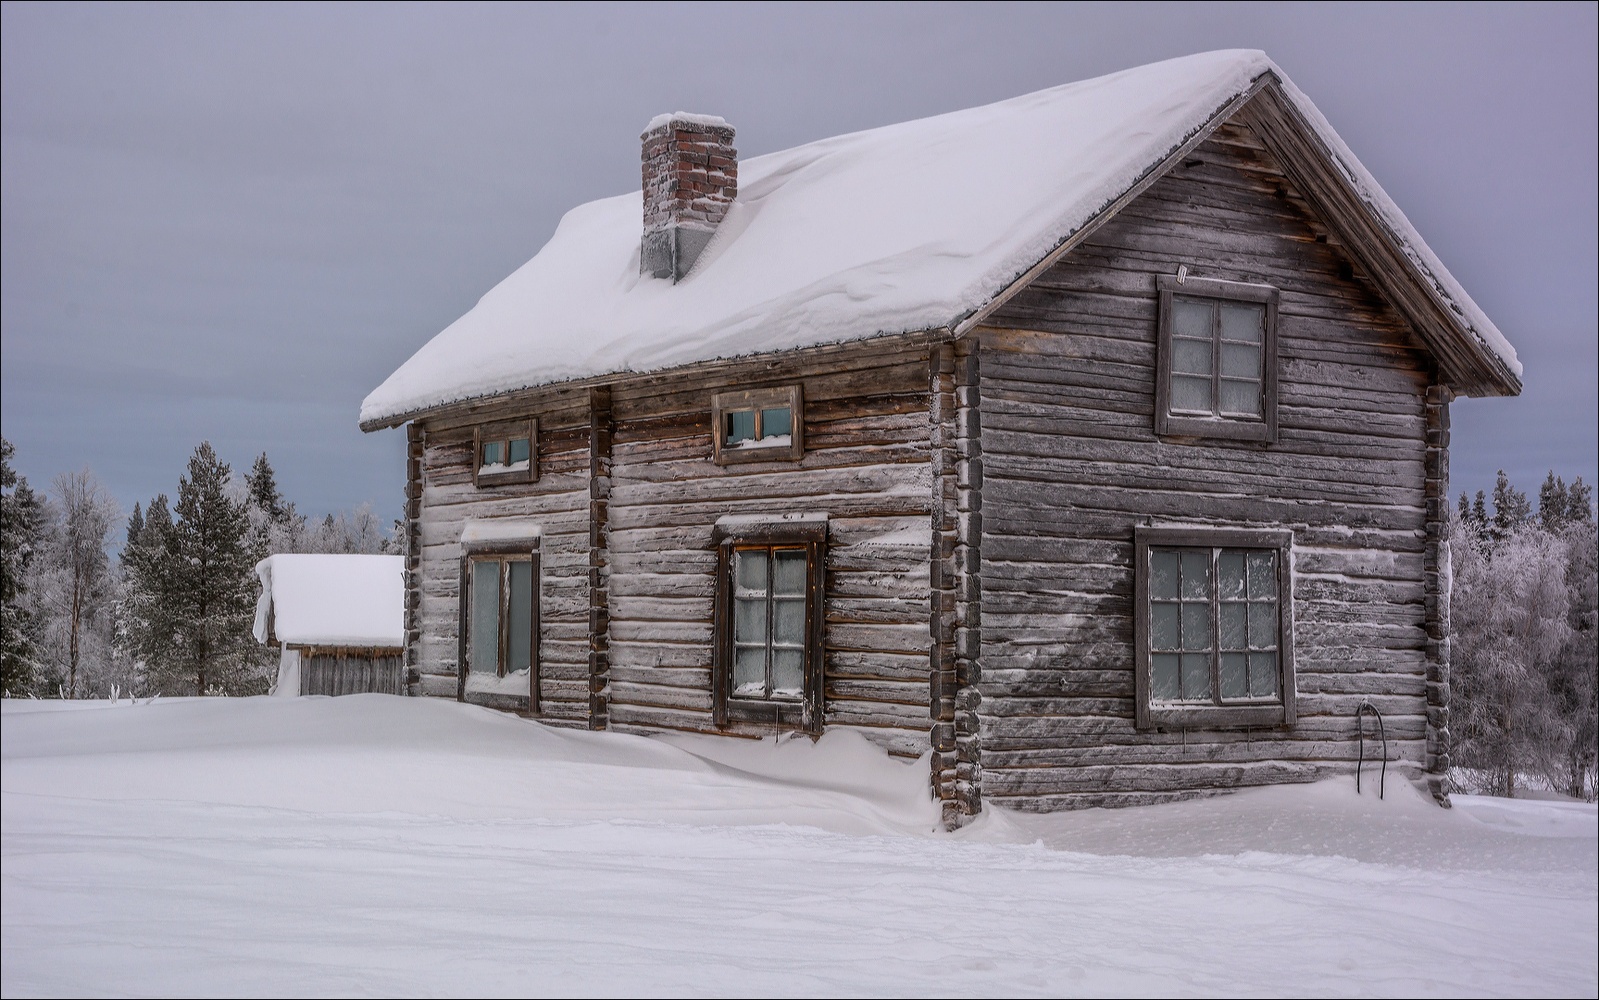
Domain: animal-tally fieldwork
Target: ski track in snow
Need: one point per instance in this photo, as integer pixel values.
(382, 846)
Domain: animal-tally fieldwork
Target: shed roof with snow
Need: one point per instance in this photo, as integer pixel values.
(331, 600)
(924, 225)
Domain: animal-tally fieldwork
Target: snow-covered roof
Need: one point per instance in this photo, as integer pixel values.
(331, 600)
(905, 228)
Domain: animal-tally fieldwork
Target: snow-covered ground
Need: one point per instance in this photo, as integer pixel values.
(373, 845)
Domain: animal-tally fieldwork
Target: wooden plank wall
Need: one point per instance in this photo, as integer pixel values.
(336, 671)
(558, 501)
(866, 464)
(1071, 463)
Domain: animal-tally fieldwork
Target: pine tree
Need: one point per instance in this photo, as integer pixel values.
(1552, 502)
(1512, 510)
(145, 623)
(20, 519)
(1479, 512)
(1579, 502)
(262, 484)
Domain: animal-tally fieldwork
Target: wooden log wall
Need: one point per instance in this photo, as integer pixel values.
(344, 670)
(866, 464)
(559, 501)
(1070, 464)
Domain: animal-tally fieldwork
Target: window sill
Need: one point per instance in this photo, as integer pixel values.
(1216, 716)
(514, 477)
(772, 713)
(1216, 428)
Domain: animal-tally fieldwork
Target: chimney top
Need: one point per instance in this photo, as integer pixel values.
(690, 173)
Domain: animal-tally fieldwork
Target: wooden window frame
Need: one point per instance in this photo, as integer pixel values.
(1228, 427)
(724, 403)
(504, 432)
(503, 552)
(1279, 712)
(805, 715)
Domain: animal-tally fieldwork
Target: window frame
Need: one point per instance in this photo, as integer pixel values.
(504, 432)
(1226, 427)
(806, 714)
(723, 403)
(1238, 714)
(504, 553)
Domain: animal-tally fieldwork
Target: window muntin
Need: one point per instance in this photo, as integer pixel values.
(505, 453)
(769, 621)
(1217, 373)
(756, 425)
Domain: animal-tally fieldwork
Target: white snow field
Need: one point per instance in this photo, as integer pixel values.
(381, 846)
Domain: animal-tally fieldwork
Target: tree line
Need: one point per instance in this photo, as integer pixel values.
(172, 613)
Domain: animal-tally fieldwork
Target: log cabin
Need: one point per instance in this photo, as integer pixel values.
(1093, 444)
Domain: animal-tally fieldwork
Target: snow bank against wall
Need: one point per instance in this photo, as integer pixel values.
(332, 600)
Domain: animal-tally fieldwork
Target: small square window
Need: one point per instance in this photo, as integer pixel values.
(1217, 360)
(1214, 628)
(757, 425)
(506, 453)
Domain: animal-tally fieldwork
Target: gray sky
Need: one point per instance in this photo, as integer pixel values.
(231, 223)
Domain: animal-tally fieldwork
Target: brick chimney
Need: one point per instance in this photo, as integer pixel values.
(690, 179)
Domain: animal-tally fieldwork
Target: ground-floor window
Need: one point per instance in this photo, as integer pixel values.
(500, 623)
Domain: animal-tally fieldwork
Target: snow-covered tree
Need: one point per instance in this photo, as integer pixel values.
(21, 516)
(71, 581)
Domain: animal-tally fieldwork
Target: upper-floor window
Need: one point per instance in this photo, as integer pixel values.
(757, 425)
(506, 453)
(1217, 374)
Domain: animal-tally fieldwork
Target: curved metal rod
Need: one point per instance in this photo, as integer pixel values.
(1382, 734)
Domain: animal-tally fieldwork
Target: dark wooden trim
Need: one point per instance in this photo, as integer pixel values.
(504, 431)
(415, 448)
(1168, 424)
(601, 428)
(757, 399)
(1436, 589)
(773, 532)
(1147, 716)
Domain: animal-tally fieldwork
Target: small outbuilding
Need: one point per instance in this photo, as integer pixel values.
(338, 619)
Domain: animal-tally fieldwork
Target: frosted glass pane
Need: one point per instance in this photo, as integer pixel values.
(1262, 575)
(493, 453)
(788, 576)
(1163, 575)
(1196, 576)
(1242, 398)
(1163, 626)
(519, 641)
(1190, 393)
(749, 622)
(1262, 626)
(521, 450)
(749, 672)
(1191, 318)
(1242, 360)
(788, 622)
(1196, 677)
(1234, 676)
(788, 672)
(1196, 626)
(484, 652)
(776, 421)
(1191, 356)
(1243, 322)
(739, 426)
(1163, 682)
(1230, 575)
(1233, 635)
(1262, 675)
(750, 570)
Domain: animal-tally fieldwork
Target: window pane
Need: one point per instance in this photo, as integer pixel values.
(1190, 393)
(1196, 677)
(521, 450)
(1262, 625)
(1163, 626)
(484, 651)
(519, 618)
(1242, 398)
(1243, 321)
(788, 576)
(493, 453)
(740, 426)
(1262, 675)
(750, 570)
(1163, 575)
(1196, 626)
(1192, 357)
(788, 622)
(1241, 360)
(749, 622)
(1163, 685)
(776, 422)
(788, 672)
(749, 672)
(1233, 635)
(1191, 318)
(1196, 576)
(1262, 575)
(1234, 680)
(1230, 575)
